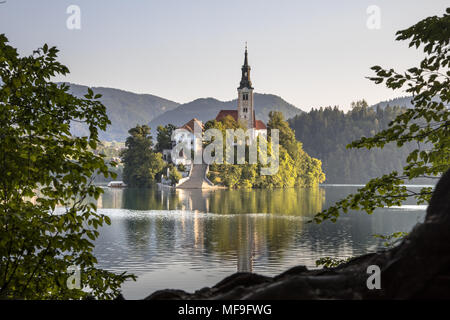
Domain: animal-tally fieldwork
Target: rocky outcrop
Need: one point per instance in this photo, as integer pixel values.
(418, 268)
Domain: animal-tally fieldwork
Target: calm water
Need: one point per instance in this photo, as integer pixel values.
(191, 239)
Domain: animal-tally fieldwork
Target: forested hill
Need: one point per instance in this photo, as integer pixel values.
(326, 132)
(125, 110)
(399, 102)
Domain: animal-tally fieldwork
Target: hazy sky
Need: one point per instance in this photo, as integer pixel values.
(311, 53)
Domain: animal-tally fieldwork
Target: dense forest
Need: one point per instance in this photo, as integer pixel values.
(326, 132)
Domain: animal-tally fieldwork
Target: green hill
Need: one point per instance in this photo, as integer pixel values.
(325, 133)
(125, 110)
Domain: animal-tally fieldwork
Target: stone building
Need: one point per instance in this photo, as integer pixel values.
(245, 112)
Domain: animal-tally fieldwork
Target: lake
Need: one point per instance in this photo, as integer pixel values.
(189, 239)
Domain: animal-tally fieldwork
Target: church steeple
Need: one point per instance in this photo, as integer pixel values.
(246, 113)
(245, 80)
(246, 55)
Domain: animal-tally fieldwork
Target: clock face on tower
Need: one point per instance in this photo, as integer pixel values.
(245, 73)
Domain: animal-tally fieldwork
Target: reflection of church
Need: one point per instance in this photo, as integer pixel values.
(246, 245)
(239, 238)
(248, 241)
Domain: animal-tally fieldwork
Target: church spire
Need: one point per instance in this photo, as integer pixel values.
(246, 59)
(245, 80)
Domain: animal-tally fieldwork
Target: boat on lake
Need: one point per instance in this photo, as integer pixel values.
(117, 184)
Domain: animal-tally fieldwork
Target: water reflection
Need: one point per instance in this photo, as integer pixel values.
(254, 227)
(280, 201)
(191, 238)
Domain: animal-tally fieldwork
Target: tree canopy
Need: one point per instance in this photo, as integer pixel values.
(141, 162)
(47, 225)
(164, 137)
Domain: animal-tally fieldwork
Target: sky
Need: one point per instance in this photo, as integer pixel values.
(311, 53)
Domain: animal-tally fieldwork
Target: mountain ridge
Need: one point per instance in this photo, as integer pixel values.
(206, 109)
(127, 109)
(404, 101)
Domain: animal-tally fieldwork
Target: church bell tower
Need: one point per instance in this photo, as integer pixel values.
(246, 112)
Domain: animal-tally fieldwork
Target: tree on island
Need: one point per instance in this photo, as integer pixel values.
(308, 169)
(296, 167)
(164, 137)
(174, 175)
(47, 223)
(141, 163)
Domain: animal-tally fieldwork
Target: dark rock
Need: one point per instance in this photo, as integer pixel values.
(168, 294)
(119, 297)
(244, 279)
(292, 271)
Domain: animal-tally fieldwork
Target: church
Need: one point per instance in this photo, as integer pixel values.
(245, 112)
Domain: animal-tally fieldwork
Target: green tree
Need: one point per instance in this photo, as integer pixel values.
(174, 175)
(296, 167)
(141, 163)
(182, 167)
(427, 124)
(45, 176)
(164, 137)
(286, 134)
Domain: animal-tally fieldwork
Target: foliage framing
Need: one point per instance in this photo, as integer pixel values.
(426, 124)
(43, 166)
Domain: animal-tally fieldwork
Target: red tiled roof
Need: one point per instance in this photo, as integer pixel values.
(223, 113)
(259, 125)
(190, 125)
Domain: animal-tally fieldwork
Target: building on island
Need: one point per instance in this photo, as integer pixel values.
(187, 137)
(245, 112)
(191, 133)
